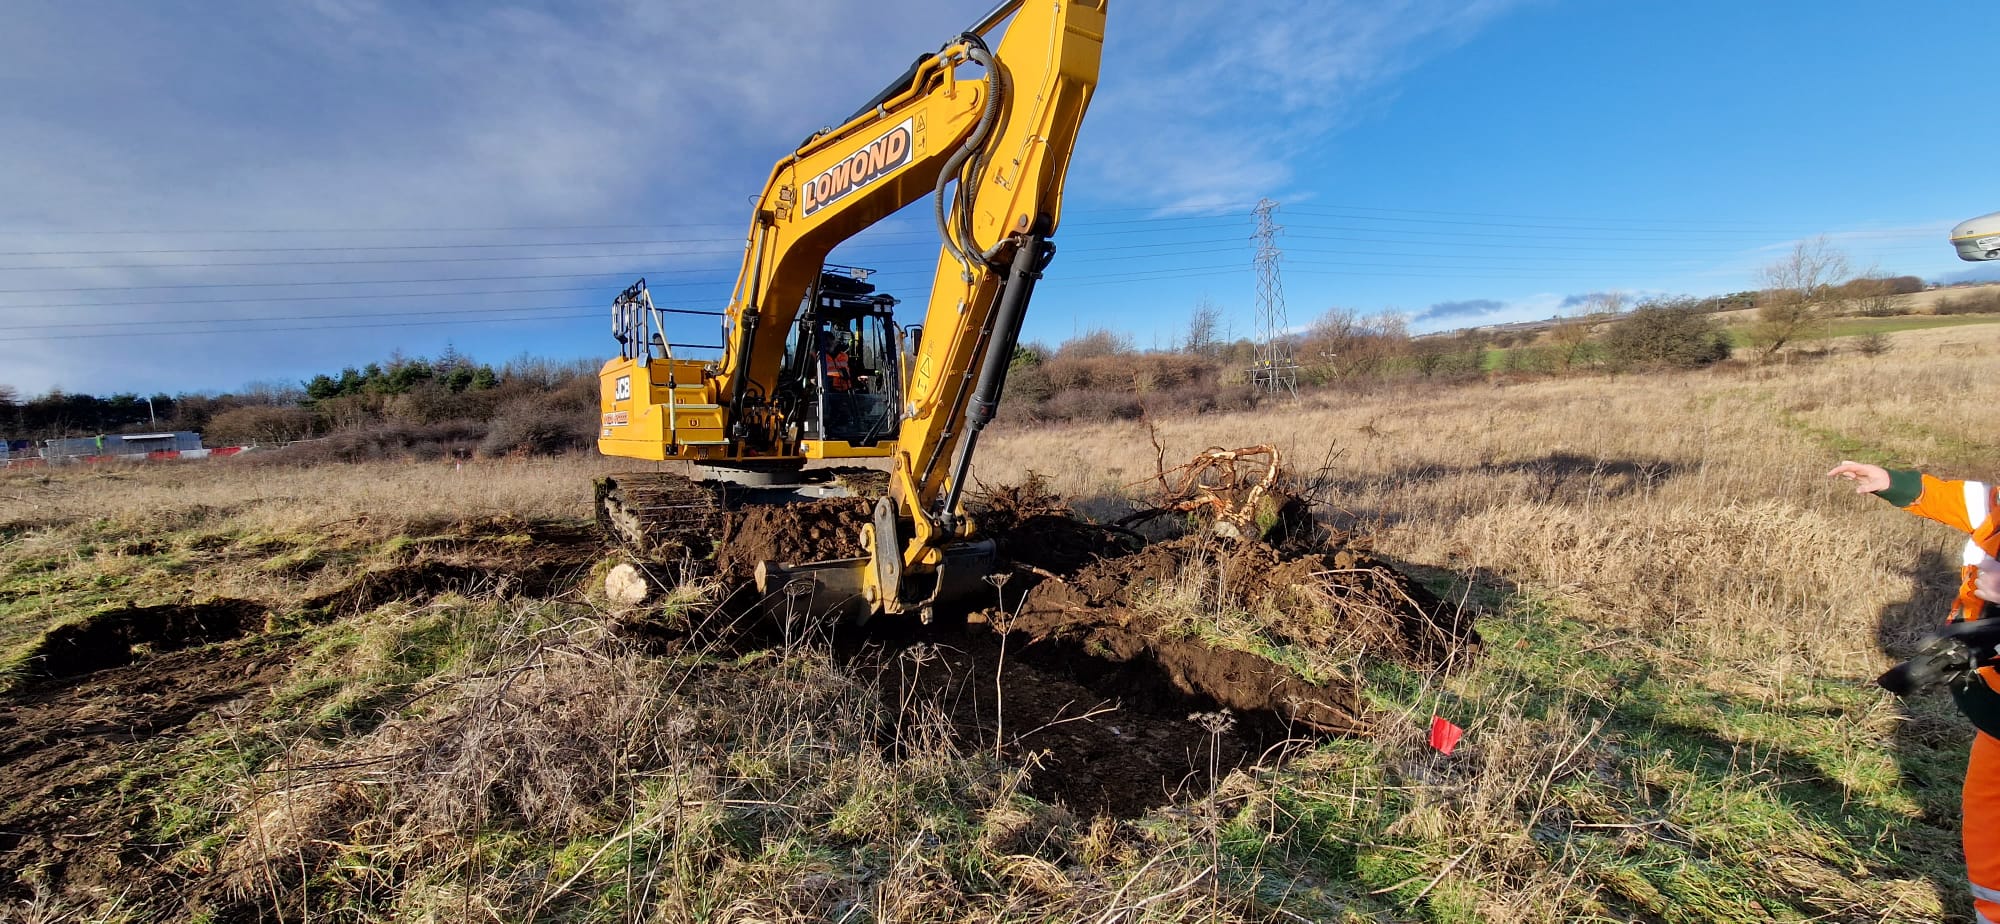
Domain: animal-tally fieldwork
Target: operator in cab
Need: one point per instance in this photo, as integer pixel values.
(834, 363)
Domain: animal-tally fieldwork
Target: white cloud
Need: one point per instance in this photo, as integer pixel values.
(1229, 94)
(358, 114)
(241, 114)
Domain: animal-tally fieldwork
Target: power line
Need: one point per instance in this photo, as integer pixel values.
(153, 323)
(284, 298)
(874, 242)
(1493, 224)
(350, 282)
(481, 245)
(1240, 209)
(369, 262)
(352, 247)
(274, 330)
(896, 241)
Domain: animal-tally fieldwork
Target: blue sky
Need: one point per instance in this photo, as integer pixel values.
(200, 197)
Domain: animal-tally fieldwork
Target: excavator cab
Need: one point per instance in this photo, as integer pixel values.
(842, 387)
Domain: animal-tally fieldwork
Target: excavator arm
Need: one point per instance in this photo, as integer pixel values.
(997, 241)
(993, 152)
(986, 132)
(987, 147)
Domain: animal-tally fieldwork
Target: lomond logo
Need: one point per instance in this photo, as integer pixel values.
(865, 166)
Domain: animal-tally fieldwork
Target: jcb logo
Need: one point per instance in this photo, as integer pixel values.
(622, 389)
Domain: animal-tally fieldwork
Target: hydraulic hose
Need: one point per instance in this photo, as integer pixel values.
(962, 249)
(1031, 256)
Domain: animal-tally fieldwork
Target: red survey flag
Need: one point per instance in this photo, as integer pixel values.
(1444, 735)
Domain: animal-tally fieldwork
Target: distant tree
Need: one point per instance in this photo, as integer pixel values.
(542, 374)
(1204, 330)
(269, 394)
(1344, 344)
(406, 375)
(259, 424)
(1798, 295)
(1874, 343)
(1569, 339)
(1097, 342)
(1872, 296)
(1665, 333)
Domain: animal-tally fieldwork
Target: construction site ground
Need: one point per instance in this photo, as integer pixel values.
(389, 691)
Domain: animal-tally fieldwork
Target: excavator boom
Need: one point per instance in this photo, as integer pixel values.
(987, 132)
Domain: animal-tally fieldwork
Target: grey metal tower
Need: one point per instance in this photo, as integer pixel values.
(1274, 370)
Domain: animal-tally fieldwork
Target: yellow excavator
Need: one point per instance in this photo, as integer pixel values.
(813, 365)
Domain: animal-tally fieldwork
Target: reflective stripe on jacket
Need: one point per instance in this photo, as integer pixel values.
(1966, 506)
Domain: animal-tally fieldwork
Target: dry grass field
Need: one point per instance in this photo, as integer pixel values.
(240, 692)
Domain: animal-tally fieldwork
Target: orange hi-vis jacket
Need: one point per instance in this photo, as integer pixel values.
(838, 376)
(1968, 506)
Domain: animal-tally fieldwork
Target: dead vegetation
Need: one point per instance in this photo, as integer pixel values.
(1670, 717)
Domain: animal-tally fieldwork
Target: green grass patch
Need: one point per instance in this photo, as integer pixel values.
(1601, 759)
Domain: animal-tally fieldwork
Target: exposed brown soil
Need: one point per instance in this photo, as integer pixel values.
(485, 557)
(116, 637)
(1099, 680)
(1036, 529)
(64, 747)
(425, 579)
(793, 533)
(1103, 737)
(1335, 596)
(1110, 702)
(1328, 599)
(1098, 688)
(100, 697)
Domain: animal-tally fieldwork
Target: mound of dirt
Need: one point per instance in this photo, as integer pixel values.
(499, 556)
(793, 533)
(1326, 599)
(1035, 528)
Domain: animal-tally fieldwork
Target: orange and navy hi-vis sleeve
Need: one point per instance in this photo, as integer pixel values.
(1967, 506)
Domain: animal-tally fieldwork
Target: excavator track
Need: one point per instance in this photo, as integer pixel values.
(661, 517)
(672, 519)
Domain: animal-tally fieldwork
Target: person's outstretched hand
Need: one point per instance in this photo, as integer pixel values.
(1867, 479)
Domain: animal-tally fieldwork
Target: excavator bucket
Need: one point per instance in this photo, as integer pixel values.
(834, 587)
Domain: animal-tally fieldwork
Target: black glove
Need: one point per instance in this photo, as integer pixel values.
(1951, 658)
